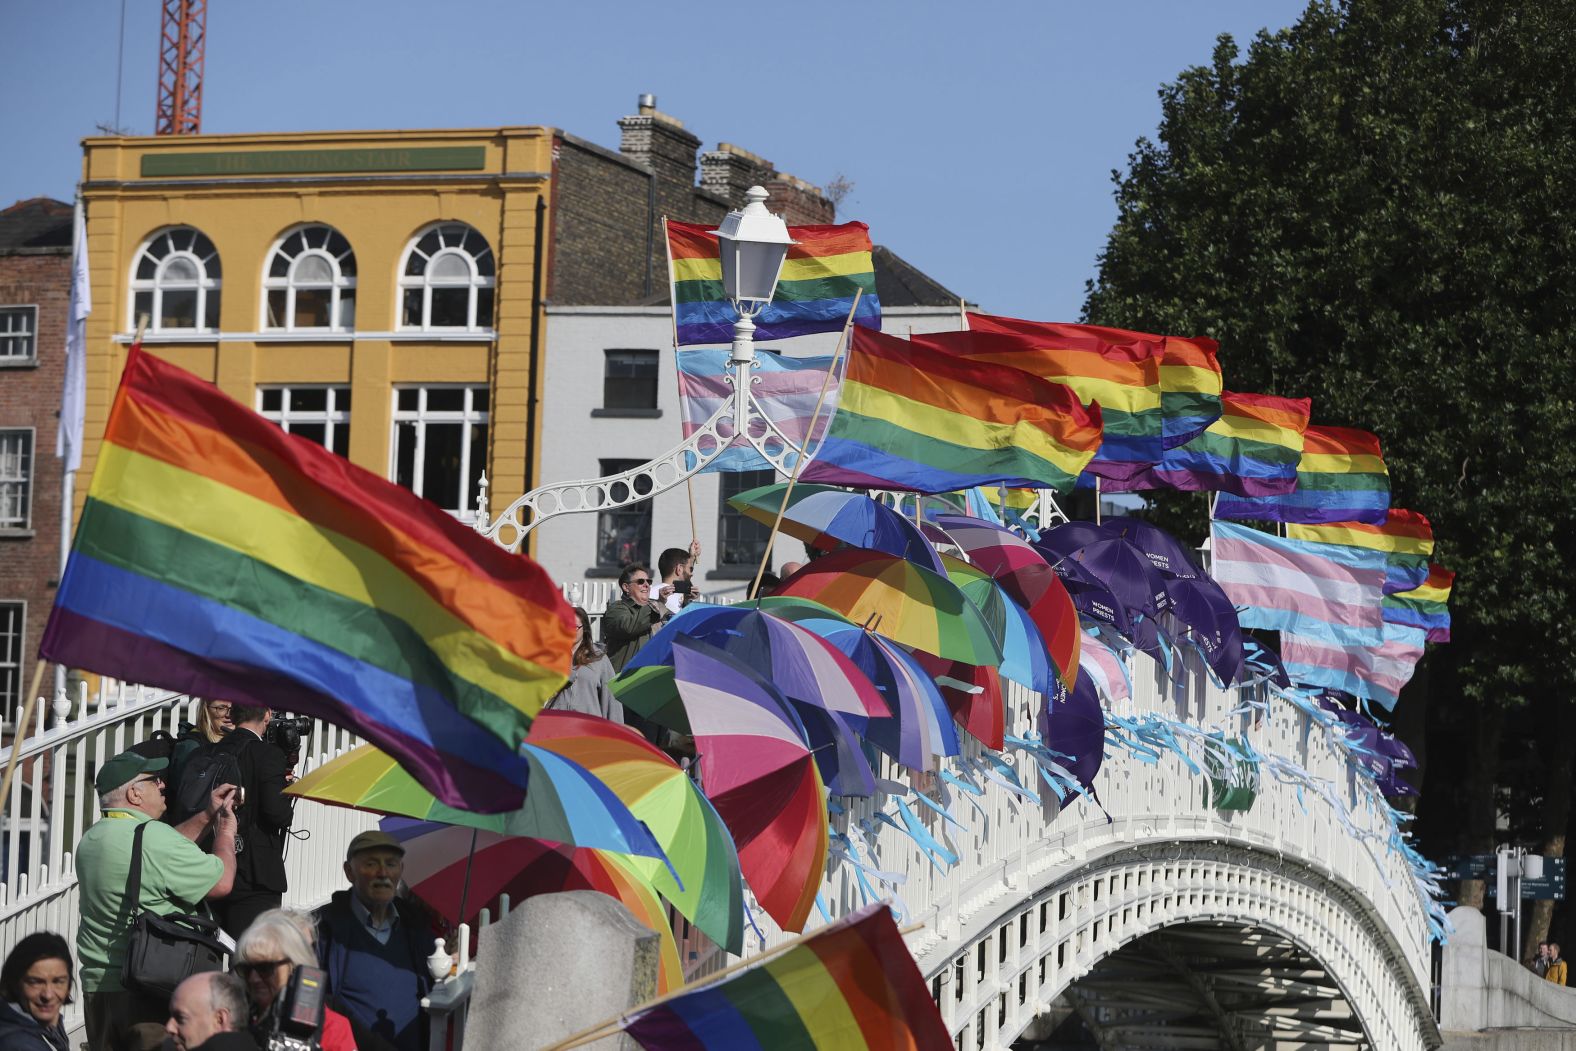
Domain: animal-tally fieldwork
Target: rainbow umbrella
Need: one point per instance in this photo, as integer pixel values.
(826, 517)
(906, 603)
(704, 883)
(564, 802)
(758, 771)
(1025, 575)
(919, 728)
(831, 696)
(438, 871)
(1024, 657)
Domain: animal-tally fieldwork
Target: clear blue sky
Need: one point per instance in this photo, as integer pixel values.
(980, 138)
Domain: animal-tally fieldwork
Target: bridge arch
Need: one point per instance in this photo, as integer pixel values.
(1026, 964)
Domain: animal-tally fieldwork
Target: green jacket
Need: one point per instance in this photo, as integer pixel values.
(626, 626)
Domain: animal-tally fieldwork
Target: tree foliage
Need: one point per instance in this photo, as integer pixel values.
(1376, 208)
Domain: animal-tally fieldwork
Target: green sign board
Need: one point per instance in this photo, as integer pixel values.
(317, 162)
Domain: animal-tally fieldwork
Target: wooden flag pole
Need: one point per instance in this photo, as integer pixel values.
(804, 450)
(602, 1030)
(963, 315)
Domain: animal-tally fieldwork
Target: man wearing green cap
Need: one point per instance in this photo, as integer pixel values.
(176, 876)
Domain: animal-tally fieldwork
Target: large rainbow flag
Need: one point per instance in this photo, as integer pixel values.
(1406, 538)
(815, 292)
(851, 984)
(1252, 450)
(1426, 606)
(1190, 387)
(913, 417)
(219, 556)
(1118, 370)
(1341, 478)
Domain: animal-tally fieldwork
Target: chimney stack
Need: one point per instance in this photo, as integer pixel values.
(660, 142)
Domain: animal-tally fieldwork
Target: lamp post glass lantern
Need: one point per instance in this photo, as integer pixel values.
(753, 244)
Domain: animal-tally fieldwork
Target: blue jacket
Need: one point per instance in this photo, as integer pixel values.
(379, 986)
(20, 1031)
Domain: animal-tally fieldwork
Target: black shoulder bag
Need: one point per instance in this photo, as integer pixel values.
(164, 951)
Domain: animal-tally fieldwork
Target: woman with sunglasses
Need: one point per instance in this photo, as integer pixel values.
(35, 983)
(629, 621)
(265, 956)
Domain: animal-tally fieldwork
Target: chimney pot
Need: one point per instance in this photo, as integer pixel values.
(647, 103)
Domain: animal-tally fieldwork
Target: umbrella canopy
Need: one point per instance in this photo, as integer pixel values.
(1025, 659)
(1072, 723)
(1202, 608)
(832, 697)
(441, 871)
(1025, 575)
(827, 517)
(1105, 670)
(909, 604)
(973, 694)
(708, 888)
(758, 771)
(1169, 556)
(919, 728)
(564, 802)
(1122, 567)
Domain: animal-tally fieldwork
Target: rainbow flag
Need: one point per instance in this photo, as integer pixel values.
(1252, 450)
(1190, 388)
(1426, 606)
(851, 984)
(1119, 370)
(912, 417)
(1341, 478)
(787, 389)
(1406, 538)
(815, 292)
(219, 556)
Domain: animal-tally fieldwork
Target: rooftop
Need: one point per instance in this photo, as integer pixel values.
(38, 222)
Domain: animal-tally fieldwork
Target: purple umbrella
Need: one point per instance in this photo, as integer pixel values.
(1121, 566)
(1072, 723)
(1166, 553)
(1201, 608)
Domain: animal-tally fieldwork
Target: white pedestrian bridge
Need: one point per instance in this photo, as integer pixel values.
(1146, 919)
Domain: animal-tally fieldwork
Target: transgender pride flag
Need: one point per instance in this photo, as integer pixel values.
(1324, 591)
(787, 389)
(1375, 672)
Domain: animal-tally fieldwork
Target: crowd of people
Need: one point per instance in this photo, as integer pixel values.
(197, 825)
(367, 948)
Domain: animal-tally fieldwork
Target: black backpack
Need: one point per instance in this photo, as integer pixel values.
(196, 769)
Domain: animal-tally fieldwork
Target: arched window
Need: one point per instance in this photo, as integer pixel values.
(447, 280)
(311, 281)
(175, 280)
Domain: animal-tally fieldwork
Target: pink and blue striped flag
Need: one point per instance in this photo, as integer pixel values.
(1375, 671)
(787, 389)
(1323, 591)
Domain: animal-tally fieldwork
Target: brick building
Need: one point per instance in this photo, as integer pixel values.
(35, 284)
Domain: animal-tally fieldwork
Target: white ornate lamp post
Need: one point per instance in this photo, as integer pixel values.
(754, 244)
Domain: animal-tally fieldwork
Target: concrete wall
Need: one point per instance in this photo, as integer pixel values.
(1485, 990)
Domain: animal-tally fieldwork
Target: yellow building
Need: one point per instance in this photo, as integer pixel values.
(379, 292)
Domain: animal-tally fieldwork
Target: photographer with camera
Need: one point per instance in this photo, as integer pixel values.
(676, 566)
(286, 989)
(263, 814)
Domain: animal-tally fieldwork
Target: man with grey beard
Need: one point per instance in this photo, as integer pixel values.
(374, 946)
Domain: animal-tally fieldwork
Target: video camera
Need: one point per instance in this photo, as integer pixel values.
(297, 1017)
(285, 732)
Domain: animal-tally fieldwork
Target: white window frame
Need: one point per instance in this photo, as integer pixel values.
(9, 704)
(26, 479)
(421, 416)
(289, 283)
(332, 418)
(424, 281)
(205, 285)
(9, 334)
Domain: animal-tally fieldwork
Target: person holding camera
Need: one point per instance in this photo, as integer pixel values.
(266, 958)
(677, 569)
(264, 814)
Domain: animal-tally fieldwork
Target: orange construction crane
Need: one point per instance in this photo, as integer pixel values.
(181, 41)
